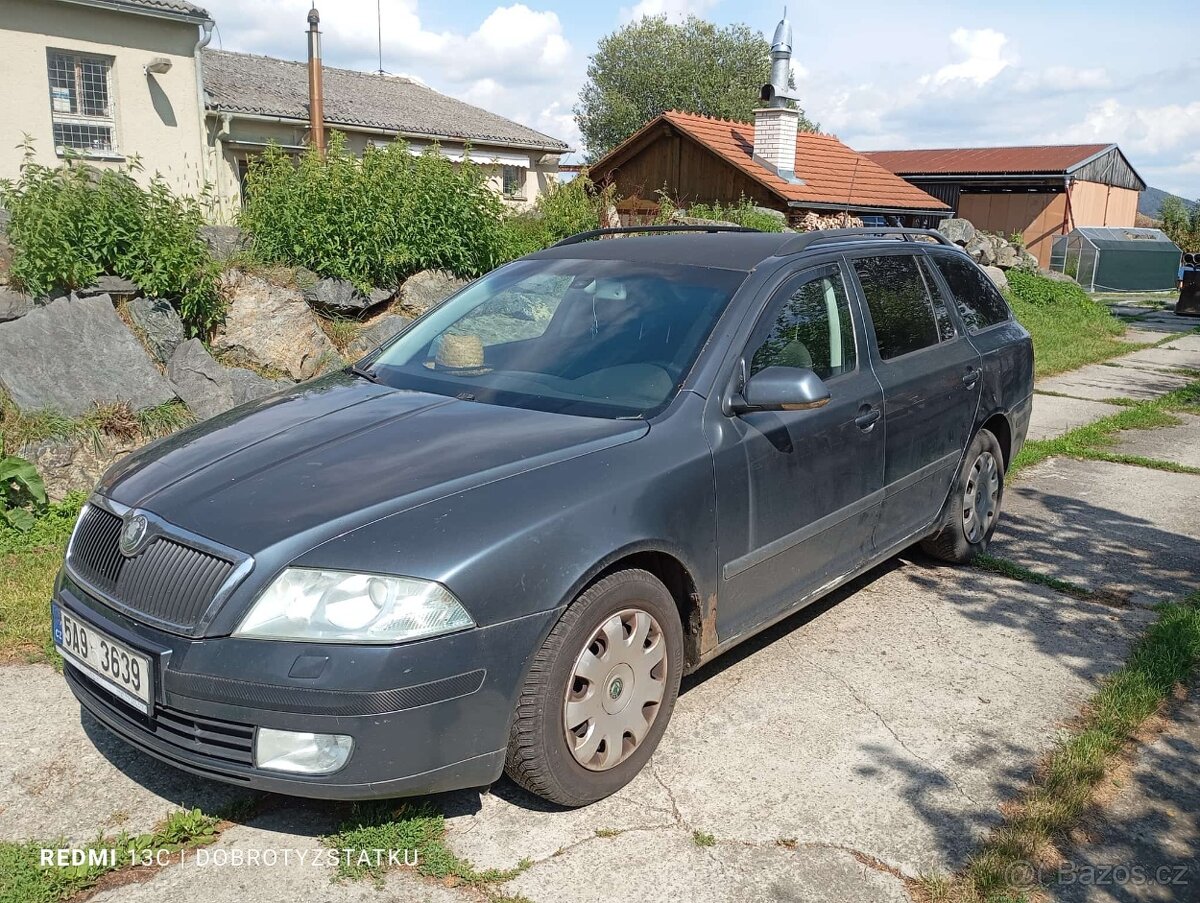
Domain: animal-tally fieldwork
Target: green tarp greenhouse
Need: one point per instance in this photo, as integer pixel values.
(1117, 259)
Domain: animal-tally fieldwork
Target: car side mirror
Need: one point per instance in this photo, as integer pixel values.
(782, 389)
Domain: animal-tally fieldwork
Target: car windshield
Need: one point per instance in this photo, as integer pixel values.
(600, 338)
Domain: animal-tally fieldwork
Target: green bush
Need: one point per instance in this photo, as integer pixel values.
(564, 209)
(743, 213)
(375, 219)
(1033, 288)
(72, 223)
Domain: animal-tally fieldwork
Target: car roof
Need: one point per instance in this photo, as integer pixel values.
(720, 250)
(741, 251)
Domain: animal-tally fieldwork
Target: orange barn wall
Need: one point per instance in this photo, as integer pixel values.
(1037, 217)
(1094, 204)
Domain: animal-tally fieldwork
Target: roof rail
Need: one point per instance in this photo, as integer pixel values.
(822, 236)
(580, 237)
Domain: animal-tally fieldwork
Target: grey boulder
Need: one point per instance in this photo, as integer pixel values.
(374, 334)
(1006, 256)
(109, 285)
(958, 230)
(427, 289)
(997, 276)
(159, 326)
(73, 354)
(76, 464)
(337, 297)
(270, 326)
(224, 241)
(209, 389)
(981, 250)
(13, 304)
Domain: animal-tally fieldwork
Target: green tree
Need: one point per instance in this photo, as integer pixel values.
(652, 65)
(1181, 224)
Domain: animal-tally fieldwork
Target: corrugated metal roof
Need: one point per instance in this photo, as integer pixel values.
(831, 173)
(262, 85)
(1048, 158)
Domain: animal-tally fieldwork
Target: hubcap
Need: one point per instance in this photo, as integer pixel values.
(981, 501)
(616, 689)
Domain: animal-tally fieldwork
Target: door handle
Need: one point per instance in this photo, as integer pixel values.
(971, 376)
(867, 417)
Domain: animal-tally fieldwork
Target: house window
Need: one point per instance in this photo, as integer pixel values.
(81, 107)
(512, 181)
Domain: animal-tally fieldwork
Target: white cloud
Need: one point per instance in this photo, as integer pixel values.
(981, 53)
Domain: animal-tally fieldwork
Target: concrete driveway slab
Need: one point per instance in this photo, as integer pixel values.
(1174, 354)
(1054, 415)
(1151, 824)
(1179, 444)
(63, 774)
(888, 722)
(1099, 382)
(1128, 530)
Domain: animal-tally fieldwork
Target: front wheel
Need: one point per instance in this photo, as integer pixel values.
(599, 692)
(974, 505)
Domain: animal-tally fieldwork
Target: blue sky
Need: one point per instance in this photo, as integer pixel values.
(877, 74)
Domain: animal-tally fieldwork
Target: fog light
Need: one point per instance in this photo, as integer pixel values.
(301, 752)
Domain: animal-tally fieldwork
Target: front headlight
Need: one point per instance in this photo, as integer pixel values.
(340, 607)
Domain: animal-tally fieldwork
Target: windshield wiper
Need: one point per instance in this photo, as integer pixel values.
(369, 375)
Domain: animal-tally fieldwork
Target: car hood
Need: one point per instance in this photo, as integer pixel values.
(338, 453)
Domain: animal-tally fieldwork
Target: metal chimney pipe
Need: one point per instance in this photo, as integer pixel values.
(316, 90)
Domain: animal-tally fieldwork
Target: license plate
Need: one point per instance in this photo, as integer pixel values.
(106, 661)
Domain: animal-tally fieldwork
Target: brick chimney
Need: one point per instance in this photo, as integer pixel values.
(777, 123)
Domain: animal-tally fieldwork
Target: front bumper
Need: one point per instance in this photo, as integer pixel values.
(426, 717)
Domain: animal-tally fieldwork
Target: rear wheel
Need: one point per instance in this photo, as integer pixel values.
(974, 506)
(600, 691)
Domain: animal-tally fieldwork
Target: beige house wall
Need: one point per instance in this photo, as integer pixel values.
(157, 117)
(234, 139)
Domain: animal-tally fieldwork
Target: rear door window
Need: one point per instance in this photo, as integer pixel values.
(900, 304)
(979, 302)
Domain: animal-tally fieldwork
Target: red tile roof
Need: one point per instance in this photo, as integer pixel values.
(1060, 158)
(832, 173)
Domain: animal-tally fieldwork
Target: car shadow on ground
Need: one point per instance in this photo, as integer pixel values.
(1064, 633)
(1064, 536)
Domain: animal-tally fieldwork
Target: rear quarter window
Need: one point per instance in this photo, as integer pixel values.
(979, 301)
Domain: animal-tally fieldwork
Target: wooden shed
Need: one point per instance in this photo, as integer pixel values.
(698, 159)
(1039, 192)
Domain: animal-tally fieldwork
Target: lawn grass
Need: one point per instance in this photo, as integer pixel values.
(1068, 336)
(1014, 571)
(416, 833)
(28, 564)
(1037, 825)
(24, 880)
(1092, 441)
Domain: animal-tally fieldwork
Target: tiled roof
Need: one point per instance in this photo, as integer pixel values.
(832, 174)
(1060, 158)
(179, 8)
(263, 85)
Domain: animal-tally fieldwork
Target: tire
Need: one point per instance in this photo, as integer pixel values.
(540, 757)
(966, 528)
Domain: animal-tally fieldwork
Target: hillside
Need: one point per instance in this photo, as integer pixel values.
(1151, 200)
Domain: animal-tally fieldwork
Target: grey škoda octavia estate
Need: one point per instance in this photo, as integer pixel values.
(498, 542)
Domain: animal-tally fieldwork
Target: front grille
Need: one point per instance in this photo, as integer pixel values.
(171, 583)
(222, 742)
